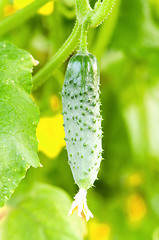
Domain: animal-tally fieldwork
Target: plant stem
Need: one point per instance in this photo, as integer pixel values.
(102, 12)
(58, 58)
(20, 16)
(82, 9)
(85, 17)
(83, 38)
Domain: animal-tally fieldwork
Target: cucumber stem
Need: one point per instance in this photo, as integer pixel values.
(82, 9)
(83, 39)
(102, 12)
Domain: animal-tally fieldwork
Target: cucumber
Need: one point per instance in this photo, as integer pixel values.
(82, 122)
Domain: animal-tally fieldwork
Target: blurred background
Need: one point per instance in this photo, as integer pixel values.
(125, 199)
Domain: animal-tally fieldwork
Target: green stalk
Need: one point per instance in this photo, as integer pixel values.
(85, 17)
(83, 38)
(20, 16)
(82, 10)
(58, 58)
(101, 12)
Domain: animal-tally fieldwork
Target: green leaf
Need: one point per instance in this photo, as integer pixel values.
(41, 214)
(18, 119)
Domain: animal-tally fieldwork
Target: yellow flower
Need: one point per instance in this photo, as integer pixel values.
(19, 4)
(45, 10)
(50, 133)
(99, 231)
(136, 208)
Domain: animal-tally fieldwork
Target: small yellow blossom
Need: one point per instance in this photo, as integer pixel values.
(50, 133)
(19, 4)
(45, 10)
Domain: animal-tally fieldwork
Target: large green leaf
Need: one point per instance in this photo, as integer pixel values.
(18, 118)
(41, 214)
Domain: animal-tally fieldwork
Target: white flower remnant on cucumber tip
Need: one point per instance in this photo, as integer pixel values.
(80, 203)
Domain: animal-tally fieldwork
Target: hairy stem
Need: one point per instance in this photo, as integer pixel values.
(83, 39)
(85, 17)
(82, 12)
(103, 10)
(58, 58)
(20, 16)
(82, 9)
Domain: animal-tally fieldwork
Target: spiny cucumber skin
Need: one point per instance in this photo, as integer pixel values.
(82, 119)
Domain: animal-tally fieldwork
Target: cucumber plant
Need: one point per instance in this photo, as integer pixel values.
(82, 118)
(80, 97)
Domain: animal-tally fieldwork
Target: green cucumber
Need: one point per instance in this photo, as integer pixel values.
(82, 118)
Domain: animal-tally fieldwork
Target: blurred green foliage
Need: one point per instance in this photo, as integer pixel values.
(126, 196)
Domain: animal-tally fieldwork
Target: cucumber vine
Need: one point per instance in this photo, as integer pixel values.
(50, 117)
(88, 119)
(81, 110)
(86, 18)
